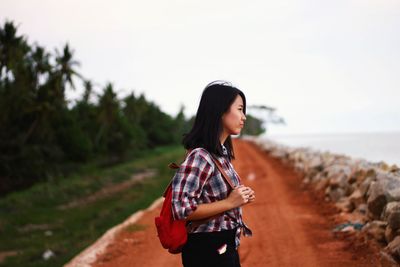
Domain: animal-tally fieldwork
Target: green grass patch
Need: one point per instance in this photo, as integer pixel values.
(31, 221)
(134, 228)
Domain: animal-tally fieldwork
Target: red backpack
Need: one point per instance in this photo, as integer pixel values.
(172, 233)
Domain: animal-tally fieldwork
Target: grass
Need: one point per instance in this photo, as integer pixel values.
(134, 228)
(32, 222)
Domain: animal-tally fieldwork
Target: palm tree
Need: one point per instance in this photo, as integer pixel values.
(41, 64)
(66, 66)
(63, 74)
(88, 86)
(12, 47)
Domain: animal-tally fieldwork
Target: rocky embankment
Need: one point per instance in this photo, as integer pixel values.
(368, 192)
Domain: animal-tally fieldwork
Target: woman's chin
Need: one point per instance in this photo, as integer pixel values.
(236, 132)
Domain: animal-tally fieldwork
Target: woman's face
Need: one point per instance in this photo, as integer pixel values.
(233, 119)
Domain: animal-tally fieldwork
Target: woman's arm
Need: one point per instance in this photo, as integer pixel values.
(207, 210)
(238, 197)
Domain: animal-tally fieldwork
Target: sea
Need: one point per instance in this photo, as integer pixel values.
(374, 147)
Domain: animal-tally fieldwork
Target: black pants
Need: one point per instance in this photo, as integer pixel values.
(201, 250)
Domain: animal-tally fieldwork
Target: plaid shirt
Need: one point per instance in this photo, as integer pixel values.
(199, 181)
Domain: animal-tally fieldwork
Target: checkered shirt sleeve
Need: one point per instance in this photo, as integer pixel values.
(189, 181)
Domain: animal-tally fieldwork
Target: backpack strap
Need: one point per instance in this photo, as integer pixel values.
(223, 173)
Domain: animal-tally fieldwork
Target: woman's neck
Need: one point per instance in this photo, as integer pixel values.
(223, 138)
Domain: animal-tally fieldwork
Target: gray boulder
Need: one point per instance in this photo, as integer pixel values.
(375, 230)
(376, 200)
(391, 234)
(334, 194)
(391, 185)
(393, 248)
(364, 186)
(392, 214)
(387, 260)
(357, 198)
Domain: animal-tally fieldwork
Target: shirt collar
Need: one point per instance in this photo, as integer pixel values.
(224, 150)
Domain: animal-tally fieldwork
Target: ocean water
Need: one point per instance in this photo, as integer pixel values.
(373, 147)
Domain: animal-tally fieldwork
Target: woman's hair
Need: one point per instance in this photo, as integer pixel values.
(216, 99)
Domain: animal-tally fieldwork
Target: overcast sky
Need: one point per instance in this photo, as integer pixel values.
(327, 66)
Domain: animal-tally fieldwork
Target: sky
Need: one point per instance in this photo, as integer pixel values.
(326, 66)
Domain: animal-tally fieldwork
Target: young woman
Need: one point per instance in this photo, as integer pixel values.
(200, 193)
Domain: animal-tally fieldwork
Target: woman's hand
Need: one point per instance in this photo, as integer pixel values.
(241, 195)
(251, 195)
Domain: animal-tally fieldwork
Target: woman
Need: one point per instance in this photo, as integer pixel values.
(200, 192)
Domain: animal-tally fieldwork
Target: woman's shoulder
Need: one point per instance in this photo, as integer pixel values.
(200, 154)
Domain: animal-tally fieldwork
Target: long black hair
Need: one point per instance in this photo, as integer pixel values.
(216, 99)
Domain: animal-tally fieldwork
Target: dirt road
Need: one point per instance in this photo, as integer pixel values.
(291, 225)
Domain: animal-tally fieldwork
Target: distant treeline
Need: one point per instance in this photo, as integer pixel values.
(42, 135)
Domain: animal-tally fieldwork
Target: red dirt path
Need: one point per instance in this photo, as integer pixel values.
(291, 225)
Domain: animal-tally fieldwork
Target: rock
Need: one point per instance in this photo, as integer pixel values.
(371, 173)
(362, 208)
(352, 178)
(375, 230)
(48, 254)
(319, 176)
(390, 234)
(299, 166)
(394, 168)
(393, 248)
(362, 174)
(376, 200)
(357, 198)
(316, 164)
(386, 260)
(306, 180)
(394, 194)
(336, 169)
(391, 214)
(313, 175)
(335, 194)
(383, 166)
(394, 220)
(339, 180)
(321, 184)
(279, 154)
(390, 184)
(345, 205)
(48, 233)
(364, 186)
(350, 189)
